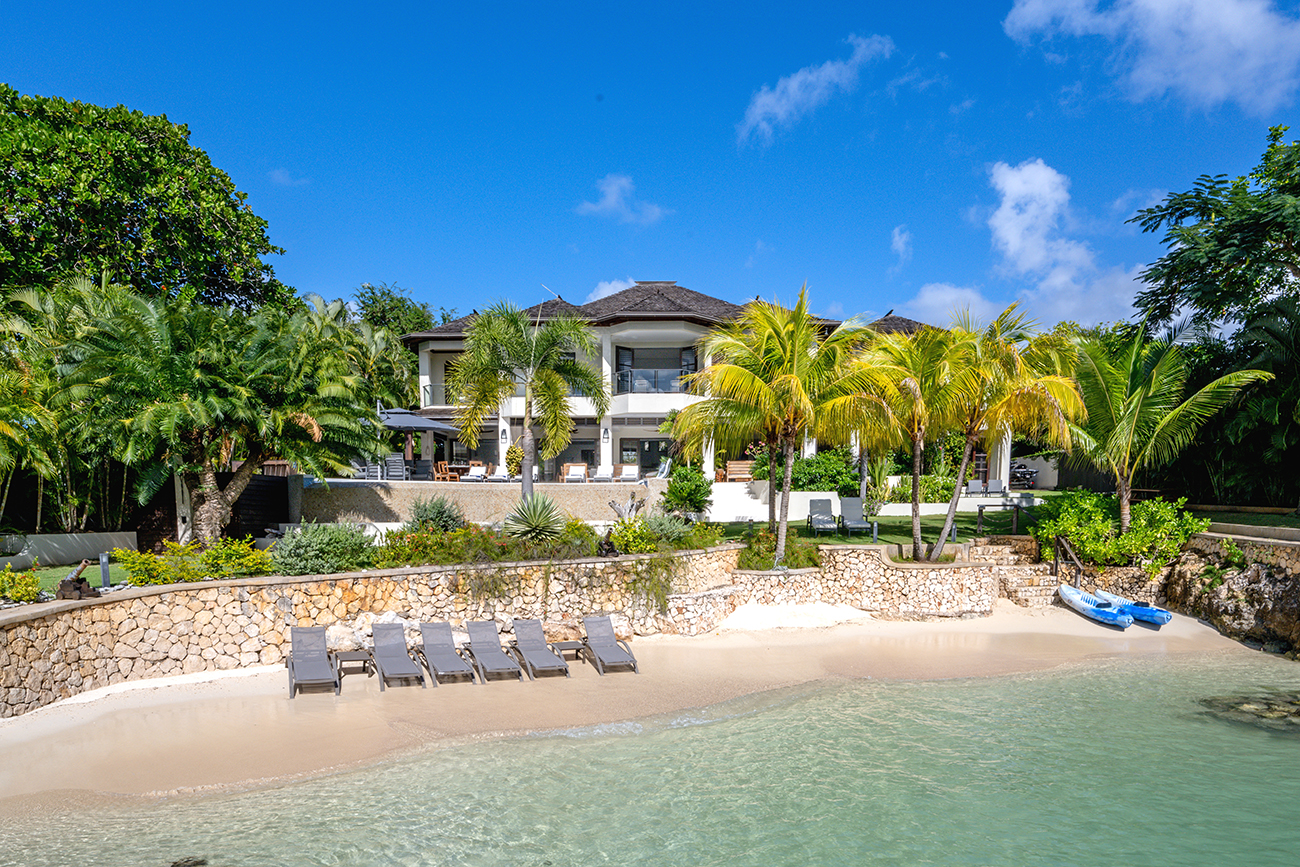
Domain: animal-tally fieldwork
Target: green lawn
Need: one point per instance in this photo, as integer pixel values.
(898, 529)
(51, 575)
(1253, 518)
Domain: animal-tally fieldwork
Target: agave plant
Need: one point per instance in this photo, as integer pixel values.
(536, 518)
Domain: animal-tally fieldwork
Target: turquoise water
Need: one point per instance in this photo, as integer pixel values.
(1104, 764)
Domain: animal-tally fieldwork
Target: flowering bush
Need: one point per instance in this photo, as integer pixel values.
(20, 586)
(633, 536)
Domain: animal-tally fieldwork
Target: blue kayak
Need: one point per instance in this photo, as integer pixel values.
(1136, 610)
(1090, 606)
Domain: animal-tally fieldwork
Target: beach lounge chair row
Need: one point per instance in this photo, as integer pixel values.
(311, 664)
(820, 517)
(977, 488)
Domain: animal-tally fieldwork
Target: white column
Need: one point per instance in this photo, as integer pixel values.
(1000, 458)
(426, 376)
(708, 460)
(809, 448)
(503, 438)
(606, 442)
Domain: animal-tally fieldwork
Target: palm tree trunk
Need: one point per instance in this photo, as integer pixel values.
(1123, 490)
(771, 488)
(4, 497)
(918, 548)
(530, 449)
(40, 500)
(783, 525)
(956, 495)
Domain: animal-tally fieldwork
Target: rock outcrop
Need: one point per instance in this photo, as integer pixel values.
(1258, 603)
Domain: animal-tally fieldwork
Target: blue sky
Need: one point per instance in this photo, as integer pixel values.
(912, 157)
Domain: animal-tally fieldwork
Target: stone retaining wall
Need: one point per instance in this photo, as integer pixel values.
(350, 500)
(54, 650)
(862, 576)
(58, 649)
(1281, 553)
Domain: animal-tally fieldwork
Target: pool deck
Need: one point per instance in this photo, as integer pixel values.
(199, 734)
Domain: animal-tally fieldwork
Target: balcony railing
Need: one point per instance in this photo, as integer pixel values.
(650, 380)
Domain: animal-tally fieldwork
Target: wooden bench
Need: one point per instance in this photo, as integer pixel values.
(740, 471)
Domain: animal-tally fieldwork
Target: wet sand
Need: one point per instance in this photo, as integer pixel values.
(176, 736)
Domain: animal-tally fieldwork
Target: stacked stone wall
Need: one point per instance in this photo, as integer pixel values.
(58, 649)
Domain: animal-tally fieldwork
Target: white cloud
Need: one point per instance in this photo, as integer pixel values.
(960, 108)
(1030, 231)
(282, 178)
(1027, 232)
(936, 304)
(1206, 52)
(834, 310)
(900, 241)
(617, 201)
(801, 92)
(606, 288)
(759, 249)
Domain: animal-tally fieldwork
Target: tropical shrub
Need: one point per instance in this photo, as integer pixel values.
(435, 513)
(177, 564)
(536, 518)
(934, 489)
(1090, 522)
(633, 536)
(514, 459)
(761, 553)
(234, 558)
(579, 539)
(322, 549)
(702, 535)
(688, 492)
(667, 528)
(829, 470)
(20, 586)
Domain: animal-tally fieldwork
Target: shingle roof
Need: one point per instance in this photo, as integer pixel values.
(889, 324)
(645, 299)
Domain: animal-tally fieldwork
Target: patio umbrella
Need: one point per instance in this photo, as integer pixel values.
(413, 423)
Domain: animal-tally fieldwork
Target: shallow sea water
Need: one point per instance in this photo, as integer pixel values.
(1107, 763)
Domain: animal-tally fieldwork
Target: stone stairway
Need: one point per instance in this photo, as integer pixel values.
(1020, 579)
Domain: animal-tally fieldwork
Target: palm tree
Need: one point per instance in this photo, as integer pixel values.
(1276, 330)
(190, 388)
(775, 374)
(504, 350)
(1136, 415)
(1023, 385)
(934, 382)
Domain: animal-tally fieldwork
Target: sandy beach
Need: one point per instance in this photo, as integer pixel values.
(199, 733)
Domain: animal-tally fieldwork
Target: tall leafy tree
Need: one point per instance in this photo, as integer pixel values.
(86, 189)
(776, 373)
(1136, 414)
(189, 388)
(384, 313)
(1023, 385)
(504, 350)
(1233, 245)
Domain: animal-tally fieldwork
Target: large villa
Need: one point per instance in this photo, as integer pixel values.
(648, 335)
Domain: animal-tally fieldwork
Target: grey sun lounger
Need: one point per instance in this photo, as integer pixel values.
(820, 516)
(393, 659)
(309, 662)
(532, 651)
(603, 646)
(851, 515)
(485, 651)
(439, 651)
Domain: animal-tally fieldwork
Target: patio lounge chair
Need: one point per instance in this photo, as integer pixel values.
(532, 651)
(309, 662)
(423, 471)
(995, 488)
(500, 474)
(975, 488)
(575, 473)
(362, 470)
(485, 651)
(604, 647)
(820, 516)
(604, 473)
(665, 468)
(475, 474)
(439, 651)
(395, 468)
(393, 659)
(629, 473)
(851, 515)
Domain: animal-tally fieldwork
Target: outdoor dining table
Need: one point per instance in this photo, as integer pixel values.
(458, 469)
